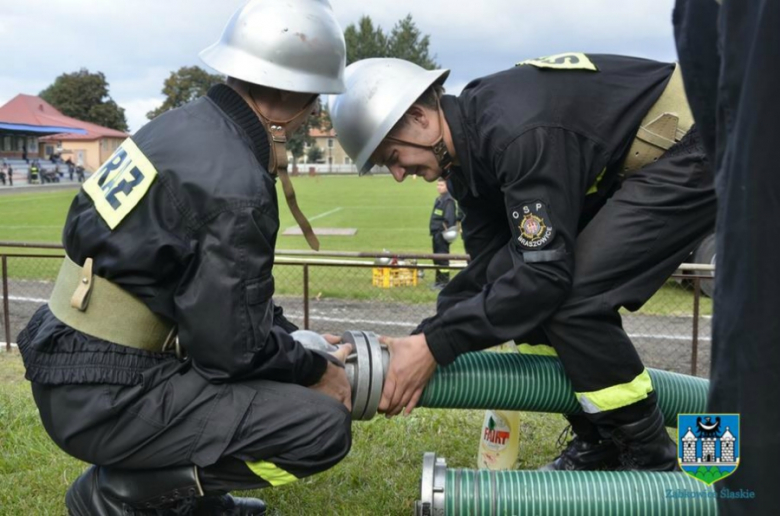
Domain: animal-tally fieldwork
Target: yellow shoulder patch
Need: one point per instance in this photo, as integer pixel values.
(567, 61)
(120, 184)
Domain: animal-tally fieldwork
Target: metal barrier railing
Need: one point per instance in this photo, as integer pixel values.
(337, 291)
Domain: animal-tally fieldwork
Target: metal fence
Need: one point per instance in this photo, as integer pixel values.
(336, 292)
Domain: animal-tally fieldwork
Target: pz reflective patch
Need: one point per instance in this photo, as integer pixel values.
(568, 61)
(120, 184)
(531, 225)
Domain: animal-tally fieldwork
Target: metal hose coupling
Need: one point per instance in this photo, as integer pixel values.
(366, 367)
(502, 381)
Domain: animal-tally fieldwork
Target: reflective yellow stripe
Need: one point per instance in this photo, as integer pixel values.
(616, 396)
(271, 473)
(538, 349)
(595, 186)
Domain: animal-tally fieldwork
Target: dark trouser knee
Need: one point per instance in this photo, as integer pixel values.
(338, 429)
(308, 451)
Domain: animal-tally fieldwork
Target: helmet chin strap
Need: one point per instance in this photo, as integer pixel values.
(277, 136)
(438, 147)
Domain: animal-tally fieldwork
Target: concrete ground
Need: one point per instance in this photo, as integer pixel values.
(664, 342)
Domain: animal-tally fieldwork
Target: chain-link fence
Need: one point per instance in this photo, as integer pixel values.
(671, 332)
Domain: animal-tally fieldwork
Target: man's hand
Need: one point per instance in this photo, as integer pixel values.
(334, 382)
(411, 366)
(332, 339)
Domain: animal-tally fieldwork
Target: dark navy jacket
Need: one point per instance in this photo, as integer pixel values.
(195, 219)
(540, 147)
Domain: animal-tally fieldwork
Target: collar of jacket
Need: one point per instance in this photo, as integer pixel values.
(463, 173)
(235, 107)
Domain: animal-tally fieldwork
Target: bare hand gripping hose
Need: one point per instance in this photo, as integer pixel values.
(509, 381)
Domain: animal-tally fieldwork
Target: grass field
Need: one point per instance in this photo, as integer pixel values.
(387, 215)
(382, 473)
(380, 476)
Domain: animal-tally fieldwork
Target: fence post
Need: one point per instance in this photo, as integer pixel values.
(695, 343)
(305, 297)
(6, 312)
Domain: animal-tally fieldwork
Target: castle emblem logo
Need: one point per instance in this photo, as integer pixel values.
(708, 445)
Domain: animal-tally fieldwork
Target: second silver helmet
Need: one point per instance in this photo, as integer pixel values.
(379, 92)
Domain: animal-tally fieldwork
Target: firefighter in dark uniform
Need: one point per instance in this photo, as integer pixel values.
(161, 358)
(443, 217)
(583, 188)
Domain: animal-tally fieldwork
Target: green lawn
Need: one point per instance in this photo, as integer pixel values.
(381, 475)
(387, 215)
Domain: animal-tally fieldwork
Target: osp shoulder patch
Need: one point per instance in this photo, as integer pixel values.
(531, 225)
(120, 184)
(567, 61)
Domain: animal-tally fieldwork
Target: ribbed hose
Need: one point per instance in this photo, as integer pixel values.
(558, 493)
(534, 383)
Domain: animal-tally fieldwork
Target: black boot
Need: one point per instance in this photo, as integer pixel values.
(101, 491)
(227, 505)
(587, 451)
(645, 445)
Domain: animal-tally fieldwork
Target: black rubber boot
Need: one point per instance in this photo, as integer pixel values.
(645, 445)
(227, 505)
(587, 451)
(103, 491)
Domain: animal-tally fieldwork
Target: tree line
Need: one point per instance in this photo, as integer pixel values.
(85, 95)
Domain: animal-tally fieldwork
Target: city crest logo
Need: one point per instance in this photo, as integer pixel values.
(708, 445)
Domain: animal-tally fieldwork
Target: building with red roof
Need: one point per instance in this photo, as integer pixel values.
(30, 125)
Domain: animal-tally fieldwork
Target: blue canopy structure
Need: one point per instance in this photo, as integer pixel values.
(39, 129)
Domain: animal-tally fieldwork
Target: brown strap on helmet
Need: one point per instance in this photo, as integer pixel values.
(278, 167)
(277, 136)
(438, 147)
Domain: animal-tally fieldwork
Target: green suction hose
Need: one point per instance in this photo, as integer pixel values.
(534, 383)
(454, 492)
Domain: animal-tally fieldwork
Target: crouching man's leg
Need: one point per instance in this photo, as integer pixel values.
(181, 445)
(290, 432)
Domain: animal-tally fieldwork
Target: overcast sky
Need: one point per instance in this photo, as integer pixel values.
(137, 43)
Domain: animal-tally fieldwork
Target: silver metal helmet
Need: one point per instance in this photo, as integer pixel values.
(292, 45)
(379, 92)
(450, 234)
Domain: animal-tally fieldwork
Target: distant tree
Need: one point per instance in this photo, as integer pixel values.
(84, 95)
(325, 122)
(184, 85)
(364, 40)
(297, 143)
(315, 154)
(405, 41)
